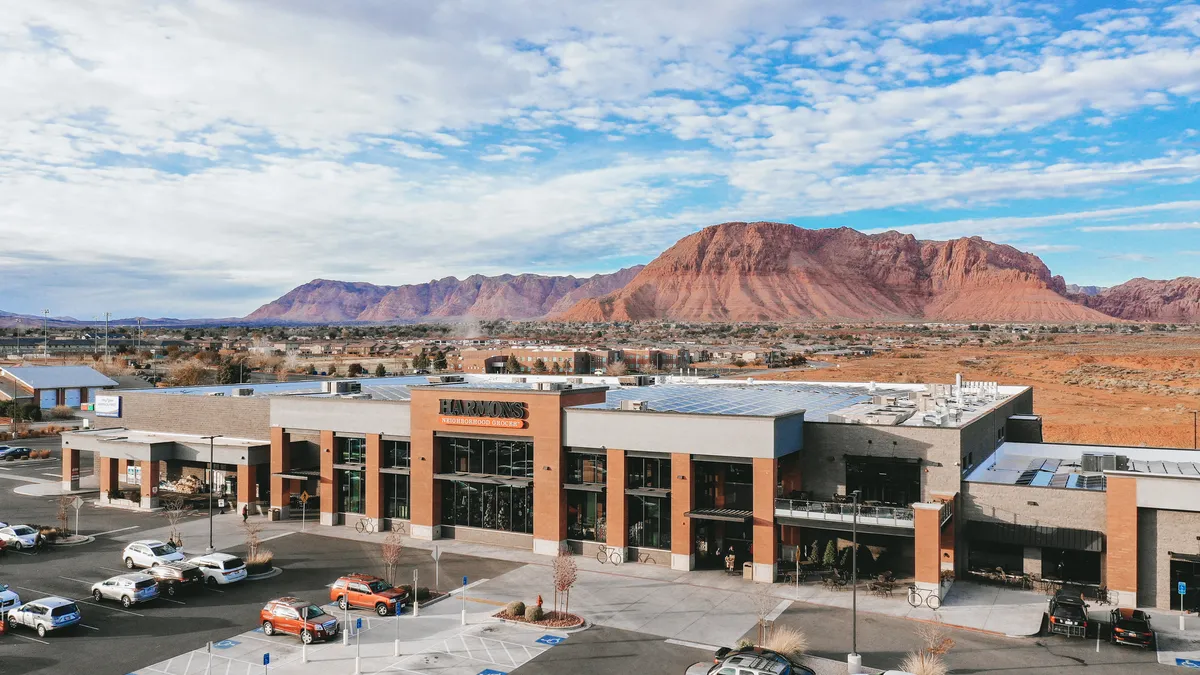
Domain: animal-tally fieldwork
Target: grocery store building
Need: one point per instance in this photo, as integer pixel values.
(667, 470)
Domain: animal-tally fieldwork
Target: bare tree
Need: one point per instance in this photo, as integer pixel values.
(174, 509)
(616, 369)
(253, 530)
(764, 603)
(64, 521)
(390, 553)
(565, 576)
(934, 637)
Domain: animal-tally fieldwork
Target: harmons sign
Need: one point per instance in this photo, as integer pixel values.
(496, 414)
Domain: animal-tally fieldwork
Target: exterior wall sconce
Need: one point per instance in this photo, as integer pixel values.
(545, 468)
(682, 477)
(1035, 504)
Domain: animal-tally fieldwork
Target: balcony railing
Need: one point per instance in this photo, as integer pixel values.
(885, 516)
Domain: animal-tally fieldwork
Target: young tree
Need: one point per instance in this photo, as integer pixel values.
(565, 575)
(439, 360)
(539, 367)
(556, 368)
(332, 369)
(380, 371)
(512, 365)
(354, 370)
(64, 521)
(174, 509)
(253, 531)
(390, 552)
(421, 361)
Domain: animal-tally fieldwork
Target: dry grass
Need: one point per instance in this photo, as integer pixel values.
(920, 663)
(787, 641)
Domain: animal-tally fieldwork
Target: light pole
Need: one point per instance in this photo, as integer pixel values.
(855, 660)
(46, 331)
(211, 443)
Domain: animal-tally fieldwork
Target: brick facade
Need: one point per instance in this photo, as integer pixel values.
(1121, 559)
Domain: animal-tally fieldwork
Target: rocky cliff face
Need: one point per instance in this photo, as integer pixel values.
(526, 296)
(776, 271)
(1170, 301)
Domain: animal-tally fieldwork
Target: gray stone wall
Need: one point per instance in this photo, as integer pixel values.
(1160, 532)
(235, 417)
(1051, 507)
(823, 463)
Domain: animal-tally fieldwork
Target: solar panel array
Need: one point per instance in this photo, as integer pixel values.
(733, 399)
(1167, 468)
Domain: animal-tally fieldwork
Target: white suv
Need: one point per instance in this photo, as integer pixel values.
(220, 568)
(9, 600)
(45, 615)
(126, 589)
(149, 553)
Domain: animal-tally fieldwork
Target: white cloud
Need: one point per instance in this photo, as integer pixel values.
(1048, 248)
(503, 153)
(1142, 227)
(1000, 225)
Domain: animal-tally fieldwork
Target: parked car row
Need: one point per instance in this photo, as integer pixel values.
(1067, 614)
(216, 569)
(308, 621)
(18, 537)
(7, 452)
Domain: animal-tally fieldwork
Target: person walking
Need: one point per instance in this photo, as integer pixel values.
(245, 512)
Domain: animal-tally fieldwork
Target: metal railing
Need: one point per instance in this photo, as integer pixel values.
(886, 516)
(945, 513)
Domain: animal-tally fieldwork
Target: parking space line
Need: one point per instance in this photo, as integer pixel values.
(113, 569)
(123, 529)
(463, 638)
(170, 600)
(89, 583)
(214, 590)
(87, 626)
(26, 637)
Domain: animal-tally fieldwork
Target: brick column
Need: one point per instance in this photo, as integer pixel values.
(106, 469)
(327, 489)
(149, 484)
(70, 469)
(683, 495)
(373, 506)
(766, 472)
(616, 530)
(281, 461)
(424, 498)
(247, 486)
(1121, 556)
(927, 547)
(549, 498)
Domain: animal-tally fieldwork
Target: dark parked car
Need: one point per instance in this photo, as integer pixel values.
(1132, 627)
(1068, 615)
(177, 577)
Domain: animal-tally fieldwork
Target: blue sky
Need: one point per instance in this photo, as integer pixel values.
(200, 158)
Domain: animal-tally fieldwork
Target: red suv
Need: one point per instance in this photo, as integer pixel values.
(298, 617)
(366, 591)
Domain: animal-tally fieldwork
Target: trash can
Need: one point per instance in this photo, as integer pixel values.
(274, 514)
(748, 571)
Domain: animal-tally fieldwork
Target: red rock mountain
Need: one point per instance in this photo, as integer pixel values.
(526, 296)
(776, 271)
(1171, 301)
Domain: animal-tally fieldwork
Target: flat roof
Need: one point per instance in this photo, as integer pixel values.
(1061, 464)
(149, 437)
(58, 377)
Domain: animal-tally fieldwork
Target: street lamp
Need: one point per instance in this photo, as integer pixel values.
(211, 443)
(855, 660)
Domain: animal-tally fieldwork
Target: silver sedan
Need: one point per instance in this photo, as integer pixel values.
(127, 589)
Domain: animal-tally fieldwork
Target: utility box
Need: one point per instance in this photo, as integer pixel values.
(748, 571)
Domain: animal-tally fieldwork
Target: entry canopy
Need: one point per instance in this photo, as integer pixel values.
(727, 515)
(298, 474)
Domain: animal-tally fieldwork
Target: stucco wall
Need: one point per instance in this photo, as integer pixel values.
(724, 435)
(235, 417)
(342, 415)
(823, 463)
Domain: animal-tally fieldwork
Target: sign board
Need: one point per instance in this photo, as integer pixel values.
(266, 658)
(133, 474)
(436, 553)
(464, 581)
(107, 406)
(304, 497)
(76, 503)
(1183, 588)
(358, 623)
(74, 472)
(492, 422)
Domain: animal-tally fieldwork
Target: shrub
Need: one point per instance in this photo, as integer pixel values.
(261, 557)
(134, 495)
(515, 608)
(534, 613)
(24, 457)
(831, 555)
(61, 412)
(744, 643)
(920, 663)
(422, 592)
(788, 641)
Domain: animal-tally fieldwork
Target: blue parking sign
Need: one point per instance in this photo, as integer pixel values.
(1183, 588)
(550, 640)
(358, 622)
(266, 658)
(226, 644)
(492, 671)
(464, 581)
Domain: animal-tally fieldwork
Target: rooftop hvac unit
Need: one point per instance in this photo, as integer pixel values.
(519, 380)
(1096, 462)
(637, 406)
(445, 379)
(575, 380)
(242, 391)
(215, 393)
(551, 386)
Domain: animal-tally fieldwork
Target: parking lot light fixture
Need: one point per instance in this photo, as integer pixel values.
(211, 443)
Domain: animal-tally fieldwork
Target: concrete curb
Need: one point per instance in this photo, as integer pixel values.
(85, 539)
(275, 571)
(532, 626)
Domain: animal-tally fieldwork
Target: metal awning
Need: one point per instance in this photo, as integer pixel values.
(485, 479)
(298, 474)
(1184, 557)
(727, 515)
(1036, 535)
(648, 492)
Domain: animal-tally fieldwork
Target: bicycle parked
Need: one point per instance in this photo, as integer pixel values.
(366, 525)
(917, 596)
(612, 555)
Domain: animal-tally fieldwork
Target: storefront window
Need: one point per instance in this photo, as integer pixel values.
(395, 495)
(395, 454)
(492, 507)
(585, 515)
(586, 468)
(650, 522)
(351, 490)
(486, 455)
(647, 472)
(350, 450)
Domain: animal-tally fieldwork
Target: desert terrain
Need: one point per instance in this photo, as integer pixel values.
(1136, 389)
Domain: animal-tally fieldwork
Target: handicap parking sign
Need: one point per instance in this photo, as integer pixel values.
(1183, 588)
(1188, 663)
(550, 640)
(492, 671)
(226, 644)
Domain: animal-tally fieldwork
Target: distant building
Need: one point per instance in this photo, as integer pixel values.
(51, 386)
